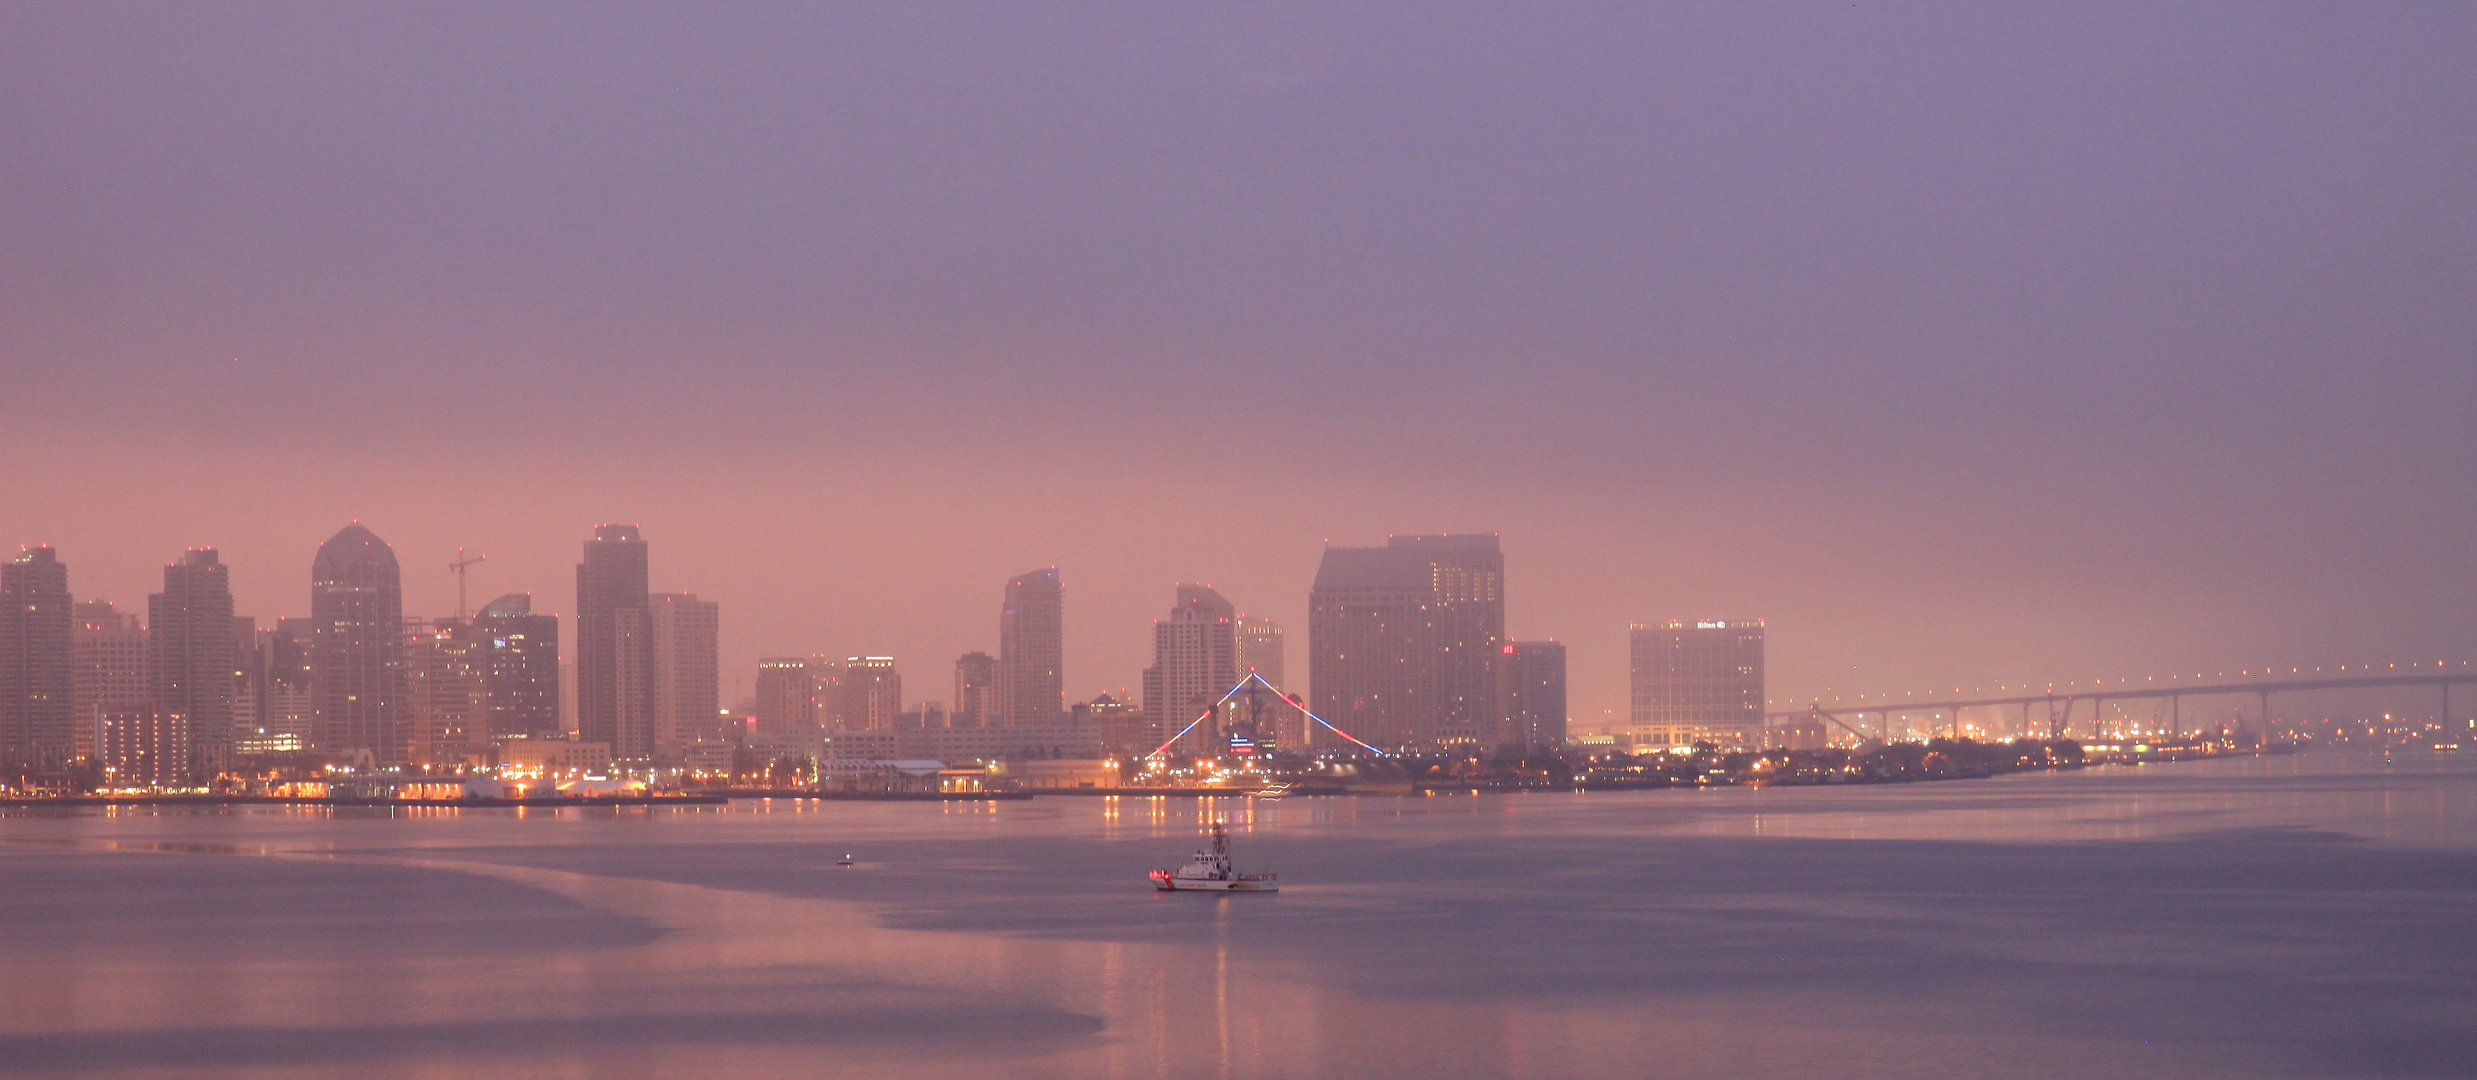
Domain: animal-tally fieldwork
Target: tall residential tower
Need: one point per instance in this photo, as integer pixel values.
(1195, 659)
(190, 661)
(1031, 637)
(38, 708)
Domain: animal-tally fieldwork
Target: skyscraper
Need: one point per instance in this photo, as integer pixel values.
(524, 668)
(1698, 682)
(1533, 678)
(1404, 640)
(1195, 659)
(190, 661)
(976, 691)
(357, 646)
(614, 644)
(825, 680)
(107, 652)
(687, 672)
(872, 692)
(786, 698)
(1031, 637)
(253, 653)
(447, 693)
(1261, 648)
(38, 707)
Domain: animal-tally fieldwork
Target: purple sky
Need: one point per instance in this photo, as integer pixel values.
(1962, 344)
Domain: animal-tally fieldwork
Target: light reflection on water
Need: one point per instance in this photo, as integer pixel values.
(2288, 916)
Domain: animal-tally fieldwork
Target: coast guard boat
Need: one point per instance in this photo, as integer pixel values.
(1209, 871)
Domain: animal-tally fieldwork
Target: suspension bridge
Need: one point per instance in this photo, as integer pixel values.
(1249, 686)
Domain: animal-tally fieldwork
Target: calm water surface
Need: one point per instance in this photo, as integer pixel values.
(2308, 916)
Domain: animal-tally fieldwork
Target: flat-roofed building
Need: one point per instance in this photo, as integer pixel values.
(108, 669)
(1697, 682)
(1533, 679)
(687, 673)
(872, 692)
(786, 697)
(1404, 640)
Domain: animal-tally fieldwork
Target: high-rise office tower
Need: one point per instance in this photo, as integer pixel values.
(687, 672)
(1261, 648)
(1031, 646)
(872, 692)
(38, 706)
(357, 646)
(615, 644)
(1195, 659)
(107, 654)
(786, 697)
(190, 660)
(524, 668)
(447, 693)
(292, 704)
(1403, 640)
(976, 691)
(825, 681)
(1532, 676)
(1698, 682)
(253, 659)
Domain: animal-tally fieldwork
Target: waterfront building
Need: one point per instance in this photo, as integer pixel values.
(38, 705)
(871, 692)
(447, 694)
(357, 649)
(1697, 682)
(556, 759)
(524, 668)
(786, 697)
(614, 644)
(687, 673)
(1195, 662)
(1031, 650)
(190, 662)
(141, 746)
(107, 655)
(1404, 640)
(976, 691)
(1532, 680)
(980, 744)
(1122, 727)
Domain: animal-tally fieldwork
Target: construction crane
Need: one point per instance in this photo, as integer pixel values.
(462, 562)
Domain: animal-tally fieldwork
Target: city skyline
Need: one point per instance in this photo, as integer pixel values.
(1953, 400)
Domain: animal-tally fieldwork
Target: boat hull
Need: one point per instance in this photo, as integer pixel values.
(1209, 885)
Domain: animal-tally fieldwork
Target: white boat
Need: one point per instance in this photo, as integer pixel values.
(1209, 871)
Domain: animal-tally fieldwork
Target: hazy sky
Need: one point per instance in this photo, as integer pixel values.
(1962, 343)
